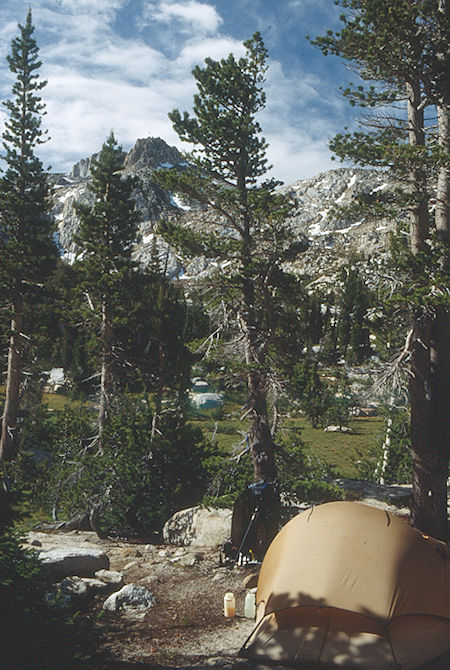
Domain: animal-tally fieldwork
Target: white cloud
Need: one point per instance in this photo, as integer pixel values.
(124, 64)
(195, 52)
(189, 14)
(297, 155)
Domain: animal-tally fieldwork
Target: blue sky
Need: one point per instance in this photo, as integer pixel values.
(122, 65)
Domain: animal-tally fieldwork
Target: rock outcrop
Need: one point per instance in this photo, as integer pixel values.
(331, 241)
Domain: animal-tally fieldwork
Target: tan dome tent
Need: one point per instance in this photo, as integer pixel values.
(350, 586)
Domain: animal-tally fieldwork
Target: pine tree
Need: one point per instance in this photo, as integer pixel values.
(247, 227)
(402, 48)
(27, 250)
(352, 326)
(107, 231)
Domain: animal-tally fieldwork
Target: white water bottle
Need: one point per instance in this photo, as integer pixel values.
(229, 605)
(250, 604)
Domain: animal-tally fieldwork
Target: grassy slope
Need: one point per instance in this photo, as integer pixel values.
(339, 450)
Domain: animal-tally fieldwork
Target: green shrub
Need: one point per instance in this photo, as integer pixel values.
(398, 467)
(304, 476)
(36, 632)
(228, 478)
(298, 474)
(136, 481)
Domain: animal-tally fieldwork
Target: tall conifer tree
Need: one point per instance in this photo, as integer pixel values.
(27, 249)
(402, 47)
(107, 232)
(247, 228)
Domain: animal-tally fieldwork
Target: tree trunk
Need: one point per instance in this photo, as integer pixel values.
(429, 511)
(430, 423)
(442, 214)
(9, 436)
(419, 223)
(430, 363)
(105, 376)
(161, 360)
(160, 388)
(260, 436)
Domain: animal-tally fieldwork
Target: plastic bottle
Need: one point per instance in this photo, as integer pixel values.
(250, 604)
(229, 605)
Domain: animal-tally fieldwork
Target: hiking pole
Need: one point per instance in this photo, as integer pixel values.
(252, 519)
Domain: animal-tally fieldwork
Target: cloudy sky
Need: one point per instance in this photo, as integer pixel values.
(122, 65)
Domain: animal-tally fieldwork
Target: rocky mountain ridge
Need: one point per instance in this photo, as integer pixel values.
(331, 240)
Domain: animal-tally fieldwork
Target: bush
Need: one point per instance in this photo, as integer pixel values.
(35, 631)
(304, 476)
(298, 474)
(398, 466)
(136, 481)
(227, 479)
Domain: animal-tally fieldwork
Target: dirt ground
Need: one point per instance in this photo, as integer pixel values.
(186, 626)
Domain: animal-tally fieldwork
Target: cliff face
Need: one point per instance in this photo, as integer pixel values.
(331, 241)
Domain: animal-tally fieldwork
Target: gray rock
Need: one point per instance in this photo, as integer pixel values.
(218, 576)
(130, 565)
(338, 429)
(198, 527)
(81, 588)
(80, 561)
(219, 662)
(111, 577)
(206, 400)
(150, 579)
(395, 494)
(130, 597)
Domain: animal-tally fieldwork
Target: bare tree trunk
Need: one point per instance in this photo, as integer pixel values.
(105, 376)
(9, 436)
(161, 361)
(160, 388)
(430, 434)
(380, 469)
(260, 435)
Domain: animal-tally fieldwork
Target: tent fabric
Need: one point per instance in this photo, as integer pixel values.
(348, 585)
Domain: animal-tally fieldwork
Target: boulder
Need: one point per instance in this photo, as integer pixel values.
(198, 527)
(111, 577)
(68, 561)
(82, 588)
(130, 597)
(338, 429)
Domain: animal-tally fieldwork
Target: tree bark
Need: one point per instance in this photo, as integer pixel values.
(105, 376)
(430, 360)
(442, 213)
(9, 436)
(430, 423)
(260, 436)
(419, 222)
